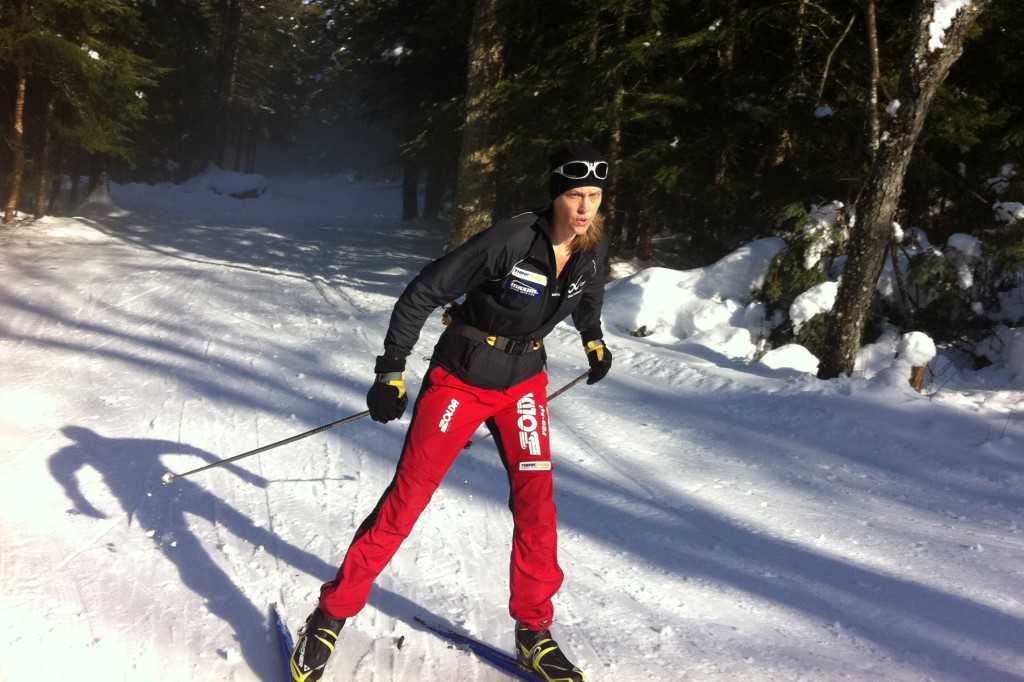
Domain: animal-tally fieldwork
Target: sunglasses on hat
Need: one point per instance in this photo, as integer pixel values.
(577, 170)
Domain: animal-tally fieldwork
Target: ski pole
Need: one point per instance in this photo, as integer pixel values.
(551, 397)
(169, 476)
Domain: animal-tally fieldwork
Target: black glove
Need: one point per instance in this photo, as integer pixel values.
(600, 359)
(386, 398)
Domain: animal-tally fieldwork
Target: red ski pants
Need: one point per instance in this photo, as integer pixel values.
(445, 417)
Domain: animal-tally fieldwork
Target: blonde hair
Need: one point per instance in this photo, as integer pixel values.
(590, 238)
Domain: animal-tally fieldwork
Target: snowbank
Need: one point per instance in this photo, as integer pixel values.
(706, 304)
(227, 183)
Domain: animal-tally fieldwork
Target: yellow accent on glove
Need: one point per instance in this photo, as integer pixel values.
(396, 379)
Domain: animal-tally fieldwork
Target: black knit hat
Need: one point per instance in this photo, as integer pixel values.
(558, 183)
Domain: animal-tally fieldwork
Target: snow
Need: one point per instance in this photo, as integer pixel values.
(916, 349)
(793, 356)
(707, 305)
(807, 304)
(966, 244)
(820, 228)
(1008, 211)
(943, 14)
(721, 518)
(230, 183)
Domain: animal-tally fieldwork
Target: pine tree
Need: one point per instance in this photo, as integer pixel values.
(80, 84)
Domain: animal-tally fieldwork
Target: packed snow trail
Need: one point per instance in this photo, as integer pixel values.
(719, 520)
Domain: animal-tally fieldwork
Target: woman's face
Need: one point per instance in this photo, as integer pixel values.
(577, 208)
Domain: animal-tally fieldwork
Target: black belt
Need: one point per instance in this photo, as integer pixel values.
(510, 346)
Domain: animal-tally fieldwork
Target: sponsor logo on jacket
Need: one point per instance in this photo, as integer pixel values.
(447, 418)
(525, 282)
(535, 466)
(532, 424)
(518, 287)
(529, 276)
(581, 281)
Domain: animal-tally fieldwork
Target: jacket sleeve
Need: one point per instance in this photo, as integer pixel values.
(587, 315)
(480, 258)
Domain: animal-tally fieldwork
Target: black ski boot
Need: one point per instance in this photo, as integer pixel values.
(316, 642)
(539, 654)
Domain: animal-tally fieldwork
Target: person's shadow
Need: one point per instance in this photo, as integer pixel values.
(132, 470)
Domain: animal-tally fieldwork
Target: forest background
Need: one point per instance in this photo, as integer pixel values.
(725, 122)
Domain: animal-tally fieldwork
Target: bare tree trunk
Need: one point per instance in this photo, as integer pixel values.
(874, 126)
(784, 142)
(45, 166)
(410, 191)
(239, 147)
(18, 146)
(925, 68)
(76, 176)
(611, 206)
(645, 239)
(252, 147)
(53, 200)
(433, 193)
(227, 66)
(475, 185)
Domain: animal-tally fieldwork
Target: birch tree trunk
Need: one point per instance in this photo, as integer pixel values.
(932, 52)
(473, 209)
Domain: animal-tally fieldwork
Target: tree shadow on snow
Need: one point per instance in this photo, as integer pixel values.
(937, 632)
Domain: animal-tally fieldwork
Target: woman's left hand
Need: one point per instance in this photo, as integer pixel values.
(600, 358)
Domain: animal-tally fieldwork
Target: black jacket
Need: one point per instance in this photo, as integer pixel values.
(507, 274)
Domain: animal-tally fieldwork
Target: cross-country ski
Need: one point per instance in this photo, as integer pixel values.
(284, 640)
(492, 655)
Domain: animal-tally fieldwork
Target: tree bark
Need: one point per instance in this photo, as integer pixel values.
(473, 209)
(924, 71)
(227, 67)
(410, 191)
(434, 191)
(18, 147)
(611, 207)
(46, 164)
(784, 141)
(874, 125)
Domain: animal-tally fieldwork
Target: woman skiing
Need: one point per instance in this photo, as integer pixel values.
(520, 278)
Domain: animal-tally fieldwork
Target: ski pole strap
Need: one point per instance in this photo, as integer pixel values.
(510, 346)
